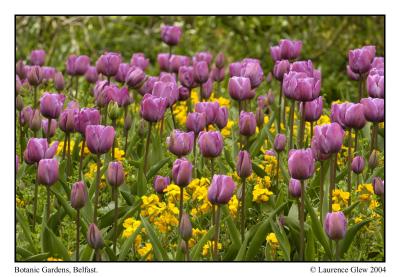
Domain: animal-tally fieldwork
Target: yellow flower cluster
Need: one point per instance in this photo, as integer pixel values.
(72, 144)
(197, 191)
(208, 247)
(365, 192)
(272, 240)
(119, 154)
(20, 203)
(130, 225)
(340, 199)
(269, 165)
(261, 193)
(233, 205)
(197, 234)
(52, 259)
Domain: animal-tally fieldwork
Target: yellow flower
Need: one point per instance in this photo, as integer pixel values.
(261, 194)
(272, 240)
(358, 219)
(324, 119)
(52, 259)
(373, 204)
(365, 191)
(144, 250)
(339, 198)
(119, 154)
(233, 205)
(130, 224)
(20, 203)
(335, 207)
(210, 245)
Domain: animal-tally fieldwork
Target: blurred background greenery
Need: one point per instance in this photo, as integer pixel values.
(326, 39)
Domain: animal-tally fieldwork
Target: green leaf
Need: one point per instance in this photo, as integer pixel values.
(233, 231)
(25, 229)
(228, 159)
(24, 253)
(283, 240)
(351, 233)
(86, 254)
(55, 245)
(195, 253)
(108, 219)
(258, 170)
(310, 247)
(247, 236)
(349, 209)
(141, 183)
(37, 258)
(159, 251)
(155, 168)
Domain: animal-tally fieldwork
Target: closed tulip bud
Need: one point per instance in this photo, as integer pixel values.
(294, 188)
(167, 77)
(254, 72)
(47, 172)
(379, 186)
(270, 152)
(113, 110)
(235, 69)
(217, 74)
(163, 61)
(243, 165)
(148, 85)
(373, 159)
(85, 117)
(329, 137)
(262, 102)
(182, 172)
(94, 237)
(290, 49)
(79, 195)
(142, 129)
(35, 122)
(59, 81)
(180, 143)
(202, 56)
(128, 122)
(357, 165)
(374, 109)
(171, 34)
(37, 149)
(210, 144)
(167, 90)
(20, 69)
(81, 65)
(354, 117)
(239, 88)
(280, 68)
(51, 104)
(259, 117)
(19, 103)
(313, 109)
(222, 117)
(247, 123)
(152, 108)
(185, 227)
(115, 174)
(275, 52)
(196, 122)
(376, 85)
(48, 73)
(338, 112)
(160, 183)
(207, 88)
(220, 60)
(221, 189)
(301, 163)
(25, 116)
(53, 126)
(38, 57)
(91, 75)
(186, 76)
(35, 75)
(108, 64)
(335, 225)
(298, 86)
(210, 109)
(270, 97)
(280, 142)
(139, 60)
(176, 61)
(135, 77)
(70, 65)
(317, 150)
(18, 84)
(184, 93)
(360, 59)
(122, 71)
(352, 75)
(99, 138)
(200, 72)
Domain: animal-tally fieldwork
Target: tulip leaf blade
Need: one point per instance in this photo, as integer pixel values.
(350, 234)
(195, 253)
(233, 231)
(25, 228)
(282, 239)
(159, 251)
(156, 167)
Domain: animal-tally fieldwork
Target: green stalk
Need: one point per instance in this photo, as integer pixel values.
(284, 111)
(300, 138)
(48, 130)
(194, 157)
(180, 203)
(172, 115)
(147, 147)
(279, 107)
(277, 171)
(48, 203)
(35, 199)
(64, 146)
(69, 154)
(81, 156)
(332, 179)
(77, 87)
(243, 206)
(321, 190)
(115, 220)
(35, 97)
(360, 90)
(349, 166)
(216, 235)
(114, 124)
(187, 252)
(291, 120)
(77, 233)
(96, 195)
(337, 251)
(302, 222)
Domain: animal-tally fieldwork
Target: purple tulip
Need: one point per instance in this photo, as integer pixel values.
(47, 172)
(301, 163)
(298, 86)
(243, 165)
(45, 126)
(183, 93)
(91, 75)
(152, 108)
(176, 61)
(25, 116)
(240, 88)
(160, 183)
(307, 68)
(186, 76)
(171, 34)
(222, 117)
(37, 149)
(79, 195)
(200, 72)
(294, 188)
(247, 123)
(357, 165)
(378, 62)
(290, 49)
(51, 104)
(220, 60)
(329, 138)
(379, 186)
(48, 73)
(35, 75)
(182, 172)
(167, 90)
(352, 75)
(313, 109)
(317, 150)
(180, 143)
(94, 237)
(281, 67)
(270, 152)
(217, 74)
(338, 112)
(206, 89)
(275, 52)
(196, 122)
(99, 138)
(210, 109)
(167, 77)
(108, 64)
(85, 117)
(59, 81)
(376, 85)
(82, 64)
(202, 56)
(70, 65)
(115, 174)
(148, 85)
(35, 122)
(135, 77)
(335, 225)
(260, 117)
(360, 59)
(122, 71)
(221, 189)
(235, 69)
(38, 57)
(254, 72)
(354, 117)
(20, 69)
(279, 142)
(374, 109)
(210, 143)
(163, 61)
(373, 159)
(185, 227)
(139, 60)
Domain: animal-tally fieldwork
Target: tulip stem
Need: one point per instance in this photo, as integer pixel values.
(216, 236)
(21, 137)
(332, 179)
(374, 137)
(69, 154)
(194, 157)
(349, 166)
(126, 131)
(201, 93)
(187, 252)
(147, 148)
(96, 195)
(77, 87)
(311, 130)
(64, 146)
(360, 89)
(321, 190)
(114, 124)
(48, 203)
(279, 107)
(355, 142)
(291, 120)
(302, 221)
(34, 97)
(277, 171)
(77, 233)
(81, 156)
(218, 89)
(172, 115)
(115, 220)
(35, 201)
(337, 250)
(284, 112)
(48, 130)
(243, 206)
(180, 204)
(300, 138)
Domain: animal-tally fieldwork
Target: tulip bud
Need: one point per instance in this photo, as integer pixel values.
(270, 152)
(378, 185)
(85, 117)
(160, 183)
(221, 189)
(210, 144)
(220, 60)
(121, 74)
(19, 103)
(37, 57)
(240, 88)
(81, 64)
(182, 172)
(270, 97)
(301, 163)
(167, 90)
(217, 74)
(135, 77)
(352, 75)
(94, 237)
(294, 188)
(108, 64)
(222, 117)
(163, 61)
(376, 85)
(354, 117)
(185, 227)
(357, 165)
(139, 60)
(360, 59)
(373, 159)
(59, 81)
(335, 225)
(171, 34)
(196, 122)
(186, 76)
(280, 68)
(113, 110)
(184, 93)
(206, 89)
(35, 122)
(128, 122)
(203, 56)
(259, 117)
(142, 130)
(234, 69)
(328, 138)
(313, 109)
(115, 174)
(200, 72)
(51, 104)
(152, 108)
(280, 142)
(252, 70)
(67, 120)
(243, 166)
(210, 109)
(148, 85)
(21, 70)
(99, 138)
(374, 109)
(79, 195)
(91, 75)
(35, 75)
(45, 126)
(247, 123)
(180, 143)
(300, 87)
(47, 172)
